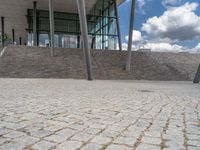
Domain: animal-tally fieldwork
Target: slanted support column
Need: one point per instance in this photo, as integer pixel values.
(35, 23)
(2, 31)
(84, 33)
(197, 76)
(118, 25)
(130, 40)
(51, 21)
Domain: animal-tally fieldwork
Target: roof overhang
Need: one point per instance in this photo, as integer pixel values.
(14, 11)
(59, 5)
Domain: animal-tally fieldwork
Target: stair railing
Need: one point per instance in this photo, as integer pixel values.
(3, 51)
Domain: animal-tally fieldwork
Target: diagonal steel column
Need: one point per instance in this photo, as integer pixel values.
(35, 23)
(2, 32)
(130, 40)
(51, 21)
(197, 76)
(118, 25)
(84, 33)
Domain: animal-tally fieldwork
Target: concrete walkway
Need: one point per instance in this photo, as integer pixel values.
(113, 115)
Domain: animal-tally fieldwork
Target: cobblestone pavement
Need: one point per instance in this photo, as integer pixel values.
(113, 115)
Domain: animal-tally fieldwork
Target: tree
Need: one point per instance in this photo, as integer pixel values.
(7, 38)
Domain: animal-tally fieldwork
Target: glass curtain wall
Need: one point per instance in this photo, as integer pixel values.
(105, 25)
(101, 27)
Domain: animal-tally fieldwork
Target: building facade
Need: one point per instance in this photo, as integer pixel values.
(27, 22)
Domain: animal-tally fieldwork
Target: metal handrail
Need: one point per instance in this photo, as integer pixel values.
(3, 51)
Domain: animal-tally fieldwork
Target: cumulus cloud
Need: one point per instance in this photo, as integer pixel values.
(164, 47)
(156, 47)
(177, 23)
(196, 49)
(137, 36)
(125, 47)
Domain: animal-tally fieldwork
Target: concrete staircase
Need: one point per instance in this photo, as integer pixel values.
(34, 62)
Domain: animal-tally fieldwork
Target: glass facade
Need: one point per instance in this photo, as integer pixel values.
(101, 27)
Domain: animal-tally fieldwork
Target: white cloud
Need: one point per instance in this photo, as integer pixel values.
(137, 36)
(170, 2)
(140, 4)
(162, 33)
(125, 46)
(196, 49)
(156, 47)
(176, 23)
(163, 47)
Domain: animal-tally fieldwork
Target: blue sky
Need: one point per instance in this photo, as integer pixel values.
(147, 9)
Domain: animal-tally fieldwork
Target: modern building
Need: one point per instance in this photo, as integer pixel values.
(28, 22)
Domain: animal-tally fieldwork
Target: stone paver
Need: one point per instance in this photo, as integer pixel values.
(92, 146)
(117, 147)
(69, 145)
(106, 115)
(43, 145)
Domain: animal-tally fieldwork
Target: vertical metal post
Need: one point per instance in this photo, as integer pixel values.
(130, 40)
(93, 42)
(35, 23)
(51, 21)
(197, 76)
(103, 33)
(84, 32)
(78, 41)
(20, 40)
(13, 36)
(2, 31)
(118, 25)
(60, 40)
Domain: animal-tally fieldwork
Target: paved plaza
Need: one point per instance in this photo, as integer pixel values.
(43, 114)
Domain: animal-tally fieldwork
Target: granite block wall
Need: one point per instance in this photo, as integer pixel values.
(34, 62)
